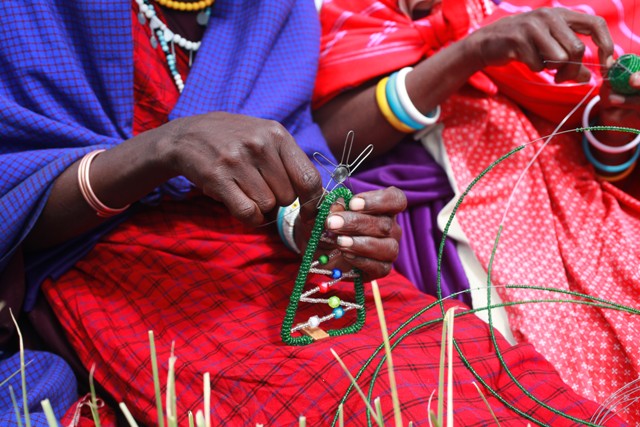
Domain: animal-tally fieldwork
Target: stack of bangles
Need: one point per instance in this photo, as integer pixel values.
(89, 196)
(396, 105)
(613, 173)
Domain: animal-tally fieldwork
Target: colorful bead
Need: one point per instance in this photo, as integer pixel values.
(314, 321)
(165, 36)
(338, 312)
(323, 259)
(323, 287)
(334, 302)
(336, 273)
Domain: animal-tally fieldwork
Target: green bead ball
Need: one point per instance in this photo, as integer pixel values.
(334, 302)
(620, 72)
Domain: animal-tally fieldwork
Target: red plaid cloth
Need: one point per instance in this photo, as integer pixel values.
(195, 276)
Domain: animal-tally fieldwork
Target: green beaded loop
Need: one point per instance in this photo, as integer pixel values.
(620, 72)
(303, 272)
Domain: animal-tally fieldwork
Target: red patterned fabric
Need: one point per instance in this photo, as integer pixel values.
(365, 39)
(564, 229)
(219, 290)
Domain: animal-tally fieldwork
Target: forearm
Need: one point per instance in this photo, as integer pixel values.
(431, 82)
(119, 176)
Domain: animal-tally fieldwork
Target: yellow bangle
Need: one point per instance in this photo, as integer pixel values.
(619, 177)
(383, 104)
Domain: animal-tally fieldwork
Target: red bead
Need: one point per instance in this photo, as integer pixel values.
(324, 287)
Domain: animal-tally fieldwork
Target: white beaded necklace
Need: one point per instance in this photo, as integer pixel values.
(161, 34)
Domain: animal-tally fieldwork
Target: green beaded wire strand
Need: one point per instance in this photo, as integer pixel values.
(303, 272)
(440, 302)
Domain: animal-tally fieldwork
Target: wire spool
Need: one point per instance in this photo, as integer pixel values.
(620, 72)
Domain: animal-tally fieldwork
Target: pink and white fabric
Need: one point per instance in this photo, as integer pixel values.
(564, 229)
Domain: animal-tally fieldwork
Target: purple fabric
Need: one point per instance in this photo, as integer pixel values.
(410, 168)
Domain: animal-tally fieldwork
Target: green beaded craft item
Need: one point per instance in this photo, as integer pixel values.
(303, 273)
(620, 72)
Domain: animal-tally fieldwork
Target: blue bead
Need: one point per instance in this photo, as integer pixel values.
(338, 312)
(336, 273)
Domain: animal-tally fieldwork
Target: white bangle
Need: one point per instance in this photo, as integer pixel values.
(599, 145)
(89, 196)
(287, 216)
(407, 104)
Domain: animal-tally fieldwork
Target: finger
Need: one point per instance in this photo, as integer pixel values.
(237, 202)
(371, 269)
(253, 185)
(573, 49)
(389, 201)
(359, 224)
(596, 28)
(379, 249)
(624, 101)
(273, 173)
(634, 80)
(303, 176)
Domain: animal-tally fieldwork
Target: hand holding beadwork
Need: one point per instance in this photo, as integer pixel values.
(368, 234)
(542, 38)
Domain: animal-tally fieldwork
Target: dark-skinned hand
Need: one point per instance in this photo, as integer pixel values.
(367, 234)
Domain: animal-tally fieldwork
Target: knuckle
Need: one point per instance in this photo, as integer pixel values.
(399, 198)
(310, 179)
(385, 268)
(246, 212)
(276, 131)
(577, 49)
(266, 204)
(385, 225)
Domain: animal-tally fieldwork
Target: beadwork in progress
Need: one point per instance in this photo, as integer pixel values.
(309, 265)
(620, 72)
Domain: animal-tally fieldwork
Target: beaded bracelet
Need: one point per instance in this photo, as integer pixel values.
(608, 168)
(287, 216)
(383, 105)
(408, 106)
(394, 104)
(597, 144)
(90, 197)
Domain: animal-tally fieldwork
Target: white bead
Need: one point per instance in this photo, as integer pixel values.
(183, 42)
(197, 46)
(168, 34)
(176, 38)
(140, 3)
(190, 45)
(143, 7)
(314, 321)
(154, 23)
(149, 13)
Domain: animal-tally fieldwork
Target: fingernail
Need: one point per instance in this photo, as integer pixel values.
(334, 222)
(356, 204)
(348, 255)
(616, 99)
(610, 61)
(345, 241)
(634, 80)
